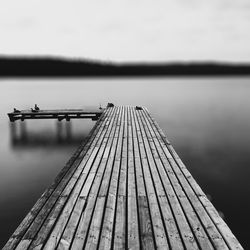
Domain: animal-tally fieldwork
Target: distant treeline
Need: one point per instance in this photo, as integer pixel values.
(52, 67)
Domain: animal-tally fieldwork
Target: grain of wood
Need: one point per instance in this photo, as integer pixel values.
(160, 236)
(109, 214)
(132, 222)
(145, 220)
(120, 216)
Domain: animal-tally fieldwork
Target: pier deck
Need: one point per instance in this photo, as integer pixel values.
(126, 188)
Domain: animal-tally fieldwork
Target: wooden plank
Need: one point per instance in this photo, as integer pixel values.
(132, 220)
(145, 220)
(107, 233)
(120, 229)
(58, 111)
(160, 236)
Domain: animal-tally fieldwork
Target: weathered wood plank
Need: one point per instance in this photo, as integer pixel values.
(110, 209)
(133, 227)
(121, 212)
(145, 220)
(160, 236)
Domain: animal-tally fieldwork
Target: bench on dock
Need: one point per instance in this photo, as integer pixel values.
(125, 188)
(59, 114)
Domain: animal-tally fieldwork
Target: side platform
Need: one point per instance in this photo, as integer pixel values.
(59, 114)
(125, 188)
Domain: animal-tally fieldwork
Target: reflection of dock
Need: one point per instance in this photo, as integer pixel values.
(126, 188)
(55, 114)
(23, 139)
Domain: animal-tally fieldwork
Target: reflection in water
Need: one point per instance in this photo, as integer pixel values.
(68, 131)
(23, 131)
(21, 138)
(13, 131)
(59, 131)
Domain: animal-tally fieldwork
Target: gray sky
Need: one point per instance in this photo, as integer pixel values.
(127, 30)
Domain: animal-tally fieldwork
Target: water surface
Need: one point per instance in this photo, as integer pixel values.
(206, 119)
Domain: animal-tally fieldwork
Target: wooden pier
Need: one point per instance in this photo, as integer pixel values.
(125, 188)
(55, 114)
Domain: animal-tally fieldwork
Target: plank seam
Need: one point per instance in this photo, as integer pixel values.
(121, 124)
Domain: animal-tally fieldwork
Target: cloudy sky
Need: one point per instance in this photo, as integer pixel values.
(127, 30)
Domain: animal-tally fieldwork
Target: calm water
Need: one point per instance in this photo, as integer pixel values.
(207, 121)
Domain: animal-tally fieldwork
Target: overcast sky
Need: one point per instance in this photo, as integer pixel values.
(127, 30)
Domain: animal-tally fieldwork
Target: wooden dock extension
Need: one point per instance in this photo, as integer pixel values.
(59, 114)
(126, 188)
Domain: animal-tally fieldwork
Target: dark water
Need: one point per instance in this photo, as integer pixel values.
(207, 121)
